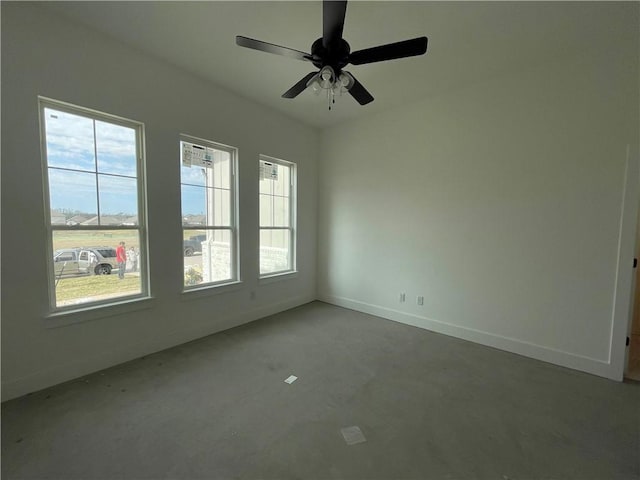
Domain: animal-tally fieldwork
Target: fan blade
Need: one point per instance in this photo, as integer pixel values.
(391, 51)
(358, 92)
(333, 13)
(271, 48)
(299, 87)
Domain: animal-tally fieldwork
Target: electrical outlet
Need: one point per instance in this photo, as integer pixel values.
(402, 298)
(420, 300)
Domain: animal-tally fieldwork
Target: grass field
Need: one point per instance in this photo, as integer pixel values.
(103, 238)
(95, 287)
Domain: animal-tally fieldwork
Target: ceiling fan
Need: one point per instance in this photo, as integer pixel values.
(331, 53)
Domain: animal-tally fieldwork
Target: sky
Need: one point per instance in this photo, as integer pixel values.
(88, 156)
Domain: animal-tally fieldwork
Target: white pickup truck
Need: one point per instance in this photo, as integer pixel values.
(85, 260)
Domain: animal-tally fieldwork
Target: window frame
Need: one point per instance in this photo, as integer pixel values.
(292, 228)
(234, 220)
(141, 227)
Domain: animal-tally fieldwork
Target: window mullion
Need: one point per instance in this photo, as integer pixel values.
(95, 162)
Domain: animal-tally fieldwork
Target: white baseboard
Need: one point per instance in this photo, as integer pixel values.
(520, 347)
(62, 373)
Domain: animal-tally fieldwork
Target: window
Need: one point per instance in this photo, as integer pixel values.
(94, 198)
(277, 216)
(209, 219)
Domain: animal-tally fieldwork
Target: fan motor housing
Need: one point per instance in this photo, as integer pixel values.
(336, 58)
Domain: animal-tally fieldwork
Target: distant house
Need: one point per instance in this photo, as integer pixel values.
(112, 219)
(194, 219)
(78, 219)
(57, 218)
(132, 220)
(90, 221)
(109, 220)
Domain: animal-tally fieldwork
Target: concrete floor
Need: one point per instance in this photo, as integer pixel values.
(430, 407)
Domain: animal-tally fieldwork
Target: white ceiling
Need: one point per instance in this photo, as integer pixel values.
(468, 42)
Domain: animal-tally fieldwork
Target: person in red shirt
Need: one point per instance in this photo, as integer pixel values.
(121, 258)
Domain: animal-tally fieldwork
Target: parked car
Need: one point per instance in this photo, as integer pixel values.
(193, 244)
(85, 260)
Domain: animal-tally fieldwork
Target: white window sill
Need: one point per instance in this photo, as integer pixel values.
(209, 290)
(278, 276)
(87, 313)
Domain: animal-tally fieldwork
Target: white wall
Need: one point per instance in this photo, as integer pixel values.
(500, 204)
(46, 55)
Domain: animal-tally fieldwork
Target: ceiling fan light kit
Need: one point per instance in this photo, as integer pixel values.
(331, 83)
(331, 53)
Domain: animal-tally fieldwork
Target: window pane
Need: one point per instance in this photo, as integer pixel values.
(266, 186)
(281, 184)
(86, 269)
(222, 170)
(274, 211)
(220, 209)
(280, 212)
(73, 193)
(193, 205)
(69, 140)
(116, 149)
(274, 251)
(268, 174)
(192, 242)
(266, 210)
(207, 256)
(274, 179)
(218, 174)
(118, 200)
(206, 206)
(193, 175)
